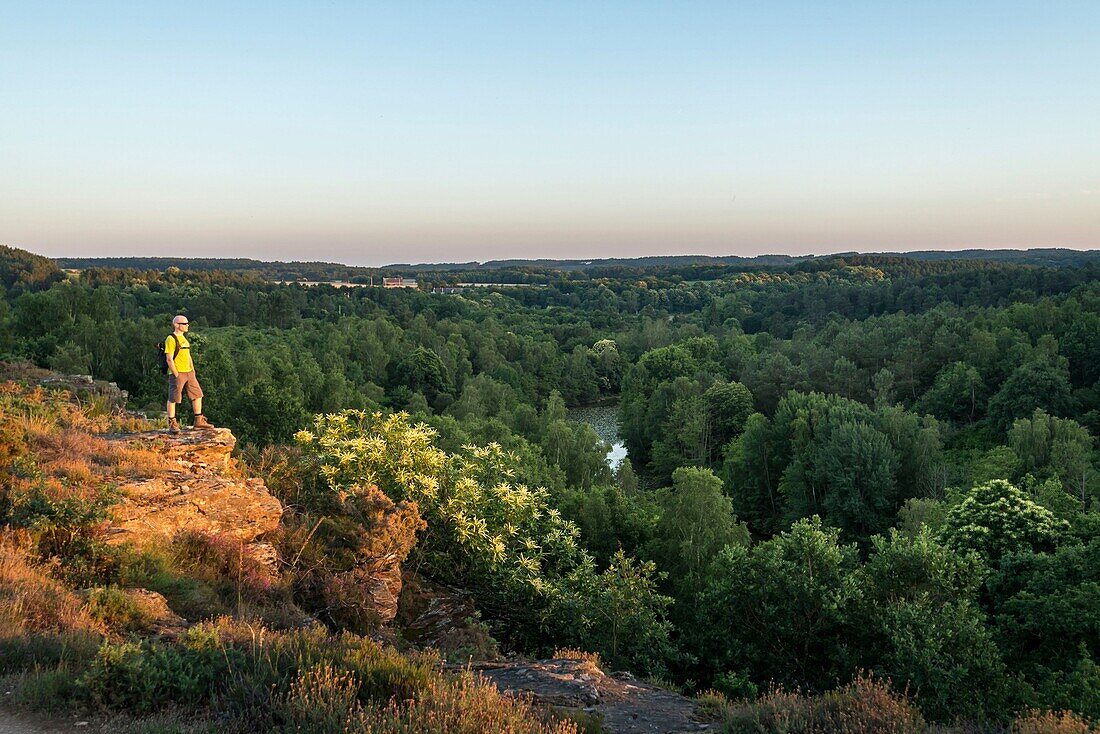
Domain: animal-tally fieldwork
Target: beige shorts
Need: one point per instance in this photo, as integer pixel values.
(186, 381)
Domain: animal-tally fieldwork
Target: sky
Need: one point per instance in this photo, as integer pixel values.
(373, 133)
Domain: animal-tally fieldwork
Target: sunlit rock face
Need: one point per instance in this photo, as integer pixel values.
(201, 492)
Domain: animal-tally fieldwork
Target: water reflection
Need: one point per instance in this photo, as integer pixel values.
(605, 420)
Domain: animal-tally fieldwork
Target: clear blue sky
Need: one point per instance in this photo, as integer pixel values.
(371, 133)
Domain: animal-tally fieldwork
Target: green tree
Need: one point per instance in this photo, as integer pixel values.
(422, 371)
(1038, 383)
(728, 406)
(924, 631)
(624, 616)
(696, 522)
(1046, 613)
(1058, 447)
(958, 393)
(996, 518)
(781, 609)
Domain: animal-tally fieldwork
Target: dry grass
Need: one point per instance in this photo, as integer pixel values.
(84, 457)
(1052, 722)
(864, 706)
(467, 706)
(58, 437)
(31, 601)
(573, 653)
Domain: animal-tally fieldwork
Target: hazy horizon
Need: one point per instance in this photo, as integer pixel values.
(427, 132)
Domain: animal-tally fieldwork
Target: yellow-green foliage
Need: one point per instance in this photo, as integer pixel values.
(503, 541)
(472, 508)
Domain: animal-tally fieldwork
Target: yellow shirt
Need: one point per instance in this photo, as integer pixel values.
(183, 359)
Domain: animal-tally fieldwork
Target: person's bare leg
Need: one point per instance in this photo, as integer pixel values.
(196, 406)
(173, 427)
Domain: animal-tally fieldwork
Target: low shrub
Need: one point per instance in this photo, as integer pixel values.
(26, 651)
(865, 706)
(222, 562)
(1052, 722)
(321, 700)
(153, 570)
(141, 676)
(118, 611)
(45, 689)
(573, 653)
(466, 705)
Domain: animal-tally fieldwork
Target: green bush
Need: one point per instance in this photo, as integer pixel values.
(117, 610)
(141, 676)
(503, 541)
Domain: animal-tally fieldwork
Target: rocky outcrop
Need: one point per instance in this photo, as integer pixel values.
(85, 388)
(443, 618)
(201, 493)
(624, 704)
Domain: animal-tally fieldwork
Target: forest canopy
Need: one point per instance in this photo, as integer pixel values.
(835, 464)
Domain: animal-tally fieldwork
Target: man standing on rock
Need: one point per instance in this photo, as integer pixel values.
(181, 375)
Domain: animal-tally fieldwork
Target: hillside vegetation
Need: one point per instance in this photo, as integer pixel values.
(858, 487)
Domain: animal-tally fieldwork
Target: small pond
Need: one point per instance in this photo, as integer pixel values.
(605, 420)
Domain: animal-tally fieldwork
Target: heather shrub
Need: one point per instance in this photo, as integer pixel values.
(221, 561)
(714, 704)
(865, 706)
(118, 611)
(140, 676)
(573, 653)
(321, 700)
(302, 681)
(1052, 722)
(465, 705)
(341, 562)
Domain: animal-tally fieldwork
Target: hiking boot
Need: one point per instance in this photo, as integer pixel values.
(173, 425)
(201, 422)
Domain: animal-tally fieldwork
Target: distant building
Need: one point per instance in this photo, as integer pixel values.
(399, 282)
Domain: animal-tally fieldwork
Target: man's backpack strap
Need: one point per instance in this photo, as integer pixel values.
(177, 341)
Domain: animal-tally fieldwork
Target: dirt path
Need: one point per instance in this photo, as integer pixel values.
(18, 722)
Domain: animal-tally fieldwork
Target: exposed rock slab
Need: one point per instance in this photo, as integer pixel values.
(202, 495)
(627, 705)
(195, 451)
(154, 510)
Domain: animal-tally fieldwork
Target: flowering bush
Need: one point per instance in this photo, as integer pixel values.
(502, 540)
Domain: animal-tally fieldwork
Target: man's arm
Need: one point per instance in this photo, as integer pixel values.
(171, 358)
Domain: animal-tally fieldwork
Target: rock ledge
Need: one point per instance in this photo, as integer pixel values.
(201, 493)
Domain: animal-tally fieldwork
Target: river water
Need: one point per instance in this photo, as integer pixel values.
(605, 420)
